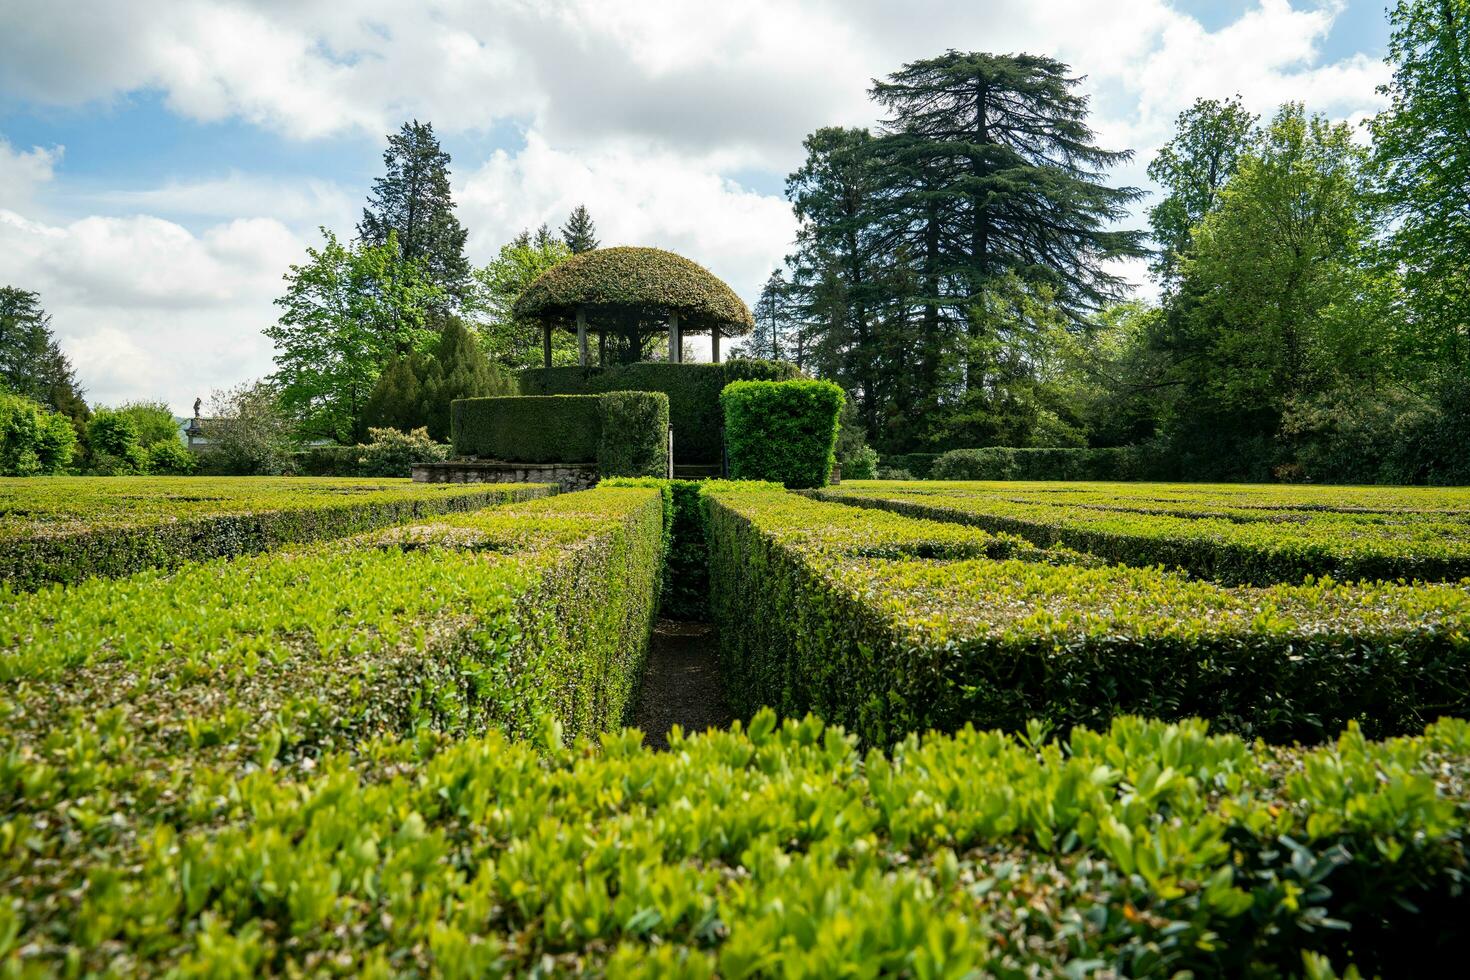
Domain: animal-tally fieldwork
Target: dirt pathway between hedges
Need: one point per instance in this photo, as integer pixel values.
(681, 684)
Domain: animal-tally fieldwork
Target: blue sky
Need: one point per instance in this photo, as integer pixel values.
(162, 163)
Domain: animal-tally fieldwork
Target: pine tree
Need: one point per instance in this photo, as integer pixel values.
(32, 363)
(413, 199)
(579, 232)
(396, 401)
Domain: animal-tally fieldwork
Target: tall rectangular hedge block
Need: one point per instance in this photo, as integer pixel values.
(782, 431)
(546, 429)
(625, 432)
(693, 391)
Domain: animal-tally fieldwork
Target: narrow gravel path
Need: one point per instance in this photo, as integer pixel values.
(681, 685)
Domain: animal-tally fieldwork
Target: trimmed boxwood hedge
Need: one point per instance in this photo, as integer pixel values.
(888, 624)
(66, 529)
(1005, 463)
(624, 433)
(1197, 531)
(782, 431)
(520, 429)
(135, 708)
(633, 439)
(693, 390)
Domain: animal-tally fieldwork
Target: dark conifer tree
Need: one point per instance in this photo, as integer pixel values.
(413, 199)
(579, 232)
(32, 363)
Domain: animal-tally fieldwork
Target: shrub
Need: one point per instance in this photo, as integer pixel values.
(890, 625)
(170, 457)
(153, 421)
(75, 529)
(1004, 463)
(861, 465)
(782, 431)
(33, 441)
(394, 453)
(553, 428)
(248, 433)
(919, 465)
(113, 434)
(633, 438)
(693, 390)
(336, 461)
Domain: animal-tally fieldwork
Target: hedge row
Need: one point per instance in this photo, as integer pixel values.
(1148, 849)
(693, 390)
(889, 625)
(1229, 545)
(1005, 463)
(138, 706)
(782, 431)
(66, 529)
(625, 433)
(916, 465)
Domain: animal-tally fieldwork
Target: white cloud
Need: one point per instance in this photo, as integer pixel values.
(636, 197)
(145, 308)
(22, 172)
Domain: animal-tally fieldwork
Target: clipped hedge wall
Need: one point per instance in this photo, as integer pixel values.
(693, 390)
(890, 625)
(782, 431)
(1004, 463)
(633, 438)
(624, 433)
(520, 429)
(79, 527)
(1198, 534)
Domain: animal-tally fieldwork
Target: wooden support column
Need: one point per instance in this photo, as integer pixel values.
(546, 346)
(676, 339)
(582, 336)
(714, 344)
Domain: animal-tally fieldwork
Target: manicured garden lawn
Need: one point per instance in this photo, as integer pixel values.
(1084, 727)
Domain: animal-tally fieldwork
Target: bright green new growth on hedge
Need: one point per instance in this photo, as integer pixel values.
(693, 390)
(1240, 535)
(140, 704)
(889, 624)
(625, 433)
(1146, 849)
(65, 529)
(782, 431)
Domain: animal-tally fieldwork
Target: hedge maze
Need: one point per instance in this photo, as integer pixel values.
(988, 729)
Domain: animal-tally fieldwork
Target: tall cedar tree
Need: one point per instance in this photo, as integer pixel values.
(32, 363)
(579, 232)
(413, 200)
(991, 170)
(835, 285)
(1422, 155)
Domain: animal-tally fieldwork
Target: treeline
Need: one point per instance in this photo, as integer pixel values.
(956, 270)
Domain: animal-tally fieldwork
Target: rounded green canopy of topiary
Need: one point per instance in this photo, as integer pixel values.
(638, 282)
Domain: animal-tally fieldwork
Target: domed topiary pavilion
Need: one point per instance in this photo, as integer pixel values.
(629, 297)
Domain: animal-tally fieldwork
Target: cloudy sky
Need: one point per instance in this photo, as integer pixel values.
(163, 161)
